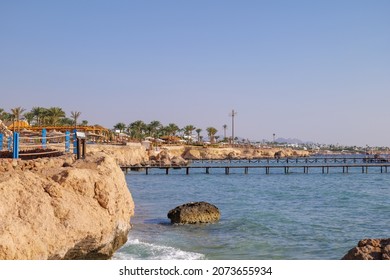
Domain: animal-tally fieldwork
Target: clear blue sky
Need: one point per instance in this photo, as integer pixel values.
(314, 70)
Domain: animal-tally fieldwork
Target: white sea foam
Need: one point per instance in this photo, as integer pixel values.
(135, 249)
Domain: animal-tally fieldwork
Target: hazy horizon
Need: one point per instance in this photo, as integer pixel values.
(313, 70)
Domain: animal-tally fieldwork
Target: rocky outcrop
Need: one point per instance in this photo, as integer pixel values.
(370, 249)
(194, 212)
(4, 130)
(179, 155)
(128, 155)
(60, 208)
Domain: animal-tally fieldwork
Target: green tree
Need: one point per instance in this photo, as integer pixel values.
(188, 129)
(75, 115)
(66, 121)
(172, 129)
(29, 116)
(39, 114)
(54, 114)
(153, 129)
(84, 122)
(224, 132)
(120, 126)
(137, 129)
(16, 114)
(211, 131)
(198, 131)
(4, 116)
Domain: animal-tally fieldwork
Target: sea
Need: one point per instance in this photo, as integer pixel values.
(276, 216)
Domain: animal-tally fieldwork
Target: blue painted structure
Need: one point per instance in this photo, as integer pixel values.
(67, 142)
(15, 152)
(44, 140)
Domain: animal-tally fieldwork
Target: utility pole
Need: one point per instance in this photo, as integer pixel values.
(233, 114)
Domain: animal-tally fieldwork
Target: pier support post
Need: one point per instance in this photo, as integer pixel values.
(207, 170)
(246, 170)
(227, 170)
(147, 170)
(187, 170)
(167, 170)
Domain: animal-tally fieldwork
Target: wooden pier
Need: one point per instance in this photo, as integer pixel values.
(266, 169)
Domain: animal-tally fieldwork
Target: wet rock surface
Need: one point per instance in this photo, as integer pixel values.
(194, 212)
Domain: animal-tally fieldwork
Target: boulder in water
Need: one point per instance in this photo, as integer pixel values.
(194, 212)
(370, 249)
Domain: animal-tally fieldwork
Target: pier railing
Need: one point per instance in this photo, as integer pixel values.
(286, 165)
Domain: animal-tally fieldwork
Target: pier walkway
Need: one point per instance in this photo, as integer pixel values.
(321, 165)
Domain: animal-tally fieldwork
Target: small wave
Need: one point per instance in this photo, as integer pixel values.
(138, 250)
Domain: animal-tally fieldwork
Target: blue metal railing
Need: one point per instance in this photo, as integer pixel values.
(16, 143)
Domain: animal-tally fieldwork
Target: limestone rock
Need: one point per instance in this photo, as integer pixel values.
(4, 129)
(370, 249)
(52, 210)
(194, 212)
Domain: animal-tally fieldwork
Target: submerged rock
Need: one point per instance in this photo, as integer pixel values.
(370, 249)
(194, 212)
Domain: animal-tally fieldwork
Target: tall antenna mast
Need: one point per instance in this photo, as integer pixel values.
(233, 114)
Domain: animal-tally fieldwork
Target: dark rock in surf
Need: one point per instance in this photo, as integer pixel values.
(194, 212)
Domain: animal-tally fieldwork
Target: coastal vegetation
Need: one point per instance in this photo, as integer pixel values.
(41, 116)
(139, 130)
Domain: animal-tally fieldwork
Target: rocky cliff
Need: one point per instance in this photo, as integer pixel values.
(60, 208)
(178, 155)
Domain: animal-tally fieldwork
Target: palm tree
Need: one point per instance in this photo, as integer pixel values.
(198, 131)
(172, 129)
(29, 116)
(188, 129)
(153, 128)
(54, 115)
(211, 131)
(16, 112)
(39, 113)
(137, 129)
(120, 126)
(75, 115)
(224, 132)
(4, 116)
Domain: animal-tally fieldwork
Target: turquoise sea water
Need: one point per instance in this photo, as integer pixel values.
(276, 216)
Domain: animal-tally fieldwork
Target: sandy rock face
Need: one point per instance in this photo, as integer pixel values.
(370, 249)
(124, 155)
(4, 130)
(64, 209)
(194, 212)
